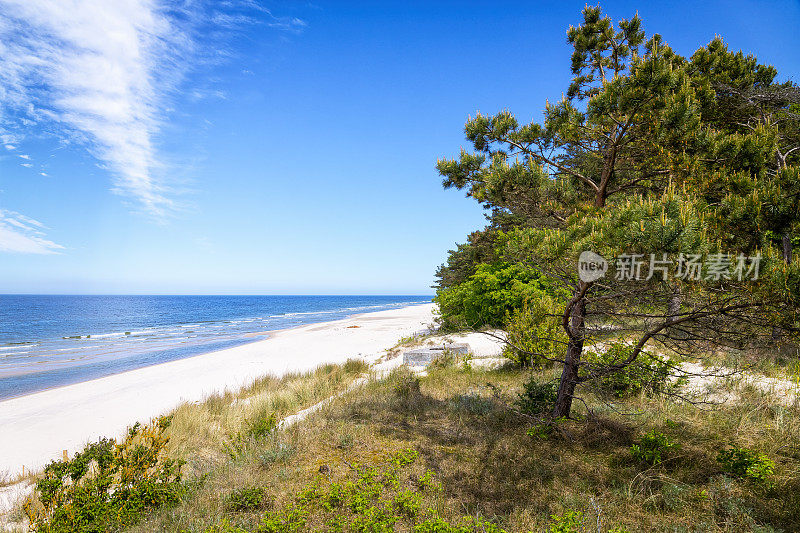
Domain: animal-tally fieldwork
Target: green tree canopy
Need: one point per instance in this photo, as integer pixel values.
(649, 154)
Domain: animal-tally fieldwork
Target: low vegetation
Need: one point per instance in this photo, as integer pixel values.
(456, 450)
(110, 485)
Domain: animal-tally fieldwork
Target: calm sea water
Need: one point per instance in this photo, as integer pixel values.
(49, 341)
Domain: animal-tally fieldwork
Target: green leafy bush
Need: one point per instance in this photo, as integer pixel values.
(747, 464)
(569, 522)
(534, 332)
(536, 397)
(468, 525)
(246, 499)
(647, 374)
(652, 447)
(488, 296)
(262, 424)
(108, 485)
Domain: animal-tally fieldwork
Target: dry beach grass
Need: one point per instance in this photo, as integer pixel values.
(462, 423)
(457, 426)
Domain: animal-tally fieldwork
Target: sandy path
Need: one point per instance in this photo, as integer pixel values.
(34, 429)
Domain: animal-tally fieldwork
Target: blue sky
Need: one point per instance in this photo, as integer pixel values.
(261, 147)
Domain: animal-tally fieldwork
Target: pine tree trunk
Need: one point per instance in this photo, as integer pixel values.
(674, 308)
(787, 258)
(787, 248)
(569, 376)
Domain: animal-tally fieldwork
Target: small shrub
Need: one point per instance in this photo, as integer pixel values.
(534, 333)
(246, 499)
(437, 524)
(536, 397)
(747, 464)
(108, 485)
(407, 503)
(262, 424)
(569, 522)
(544, 429)
(652, 447)
(428, 481)
(646, 374)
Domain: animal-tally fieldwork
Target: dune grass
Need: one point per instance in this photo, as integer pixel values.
(490, 470)
(208, 433)
(451, 452)
(201, 437)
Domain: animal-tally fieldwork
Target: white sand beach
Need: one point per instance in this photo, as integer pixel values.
(36, 428)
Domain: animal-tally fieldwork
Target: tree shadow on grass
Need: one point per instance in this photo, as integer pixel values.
(489, 465)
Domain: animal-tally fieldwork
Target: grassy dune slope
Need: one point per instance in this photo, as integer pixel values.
(482, 463)
(451, 452)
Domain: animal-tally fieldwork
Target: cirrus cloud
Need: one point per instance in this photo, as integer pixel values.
(97, 72)
(22, 234)
(103, 74)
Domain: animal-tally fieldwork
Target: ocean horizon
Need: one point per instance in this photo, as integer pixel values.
(49, 341)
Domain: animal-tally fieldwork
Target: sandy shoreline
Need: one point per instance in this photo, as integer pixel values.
(35, 428)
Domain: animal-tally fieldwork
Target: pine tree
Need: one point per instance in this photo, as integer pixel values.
(640, 158)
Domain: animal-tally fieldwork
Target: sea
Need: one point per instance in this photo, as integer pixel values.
(51, 341)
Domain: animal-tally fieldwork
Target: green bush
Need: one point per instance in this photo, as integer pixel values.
(488, 296)
(107, 486)
(652, 447)
(246, 499)
(647, 374)
(534, 330)
(569, 522)
(747, 464)
(536, 397)
(262, 424)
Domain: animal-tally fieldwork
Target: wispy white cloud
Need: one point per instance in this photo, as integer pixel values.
(100, 71)
(238, 12)
(205, 94)
(28, 165)
(104, 73)
(22, 234)
(24, 156)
